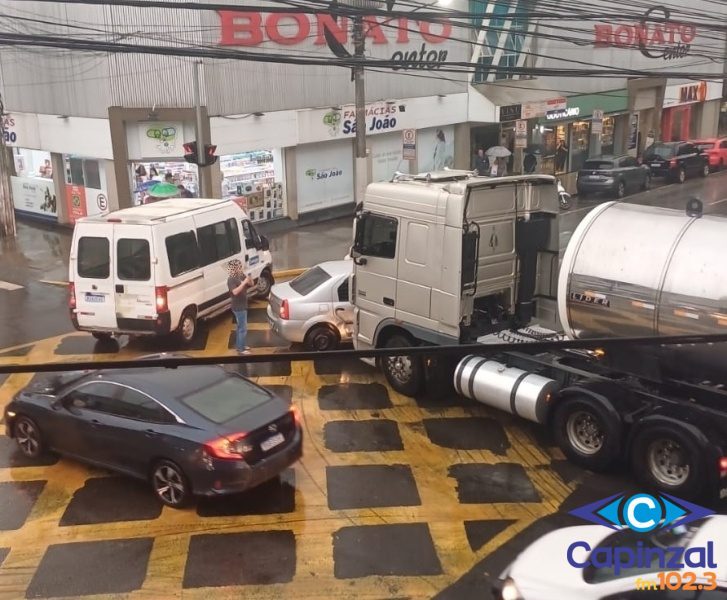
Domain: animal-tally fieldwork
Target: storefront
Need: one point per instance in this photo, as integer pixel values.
(687, 113)
(255, 179)
(33, 189)
(86, 192)
(564, 137)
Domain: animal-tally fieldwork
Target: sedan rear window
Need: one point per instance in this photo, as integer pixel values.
(661, 150)
(304, 284)
(226, 399)
(93, 258)
(598, 165)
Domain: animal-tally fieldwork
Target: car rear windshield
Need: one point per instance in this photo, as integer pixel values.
(226, 399)
(661, 150)
(705, 146)
(304, 284)
(133, 259)
(598, 165)
(93, 258)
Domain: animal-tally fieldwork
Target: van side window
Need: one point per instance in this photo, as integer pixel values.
(182, 252)
(93, 258)
(218, 241)
(133, 259)
(378, 237)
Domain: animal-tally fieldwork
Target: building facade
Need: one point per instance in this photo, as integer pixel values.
(91, 132)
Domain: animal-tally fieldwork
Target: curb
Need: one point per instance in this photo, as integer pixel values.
(285, 274)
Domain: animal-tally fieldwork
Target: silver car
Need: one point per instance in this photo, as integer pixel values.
(314, 307)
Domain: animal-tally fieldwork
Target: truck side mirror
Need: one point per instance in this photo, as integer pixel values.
(358, 240)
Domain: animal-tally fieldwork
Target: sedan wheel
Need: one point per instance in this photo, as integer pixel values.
(621, 190)
(681, 176)
(321, 338)
(170, 484)
(705, 170)
(647, 183)
(28, 437)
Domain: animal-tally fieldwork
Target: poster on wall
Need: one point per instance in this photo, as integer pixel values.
(161, 138)
(324, 175)
(387, 157)
(436, 148)
(75, 202)
(35, 196)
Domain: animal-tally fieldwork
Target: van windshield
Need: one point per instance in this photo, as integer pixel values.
(304, 284)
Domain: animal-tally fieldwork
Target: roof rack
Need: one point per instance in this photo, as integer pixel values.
(444, 175)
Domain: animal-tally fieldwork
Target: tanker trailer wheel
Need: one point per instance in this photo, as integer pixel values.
(587, 433)
(666, 458)
(404, 373)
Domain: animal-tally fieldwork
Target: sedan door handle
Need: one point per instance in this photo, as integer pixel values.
(150, 433)
(389, 301)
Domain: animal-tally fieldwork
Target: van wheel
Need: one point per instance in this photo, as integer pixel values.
(587, 433)
(666, 458)
(321, 338)
(404, 373)
(187, 327)
(264, 283)
(101, 336)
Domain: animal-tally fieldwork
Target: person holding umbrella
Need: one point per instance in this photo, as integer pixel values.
(497, 155)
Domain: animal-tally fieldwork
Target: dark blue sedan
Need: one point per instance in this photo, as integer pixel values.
(202, 430)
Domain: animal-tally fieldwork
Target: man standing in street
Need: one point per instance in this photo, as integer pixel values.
(481, 163)
(238, 283)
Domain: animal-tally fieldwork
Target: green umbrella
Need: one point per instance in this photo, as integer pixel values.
(164, 190)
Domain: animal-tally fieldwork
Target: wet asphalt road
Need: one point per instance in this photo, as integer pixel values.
(39, 310)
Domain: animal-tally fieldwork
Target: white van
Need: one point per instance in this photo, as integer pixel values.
(160, 268)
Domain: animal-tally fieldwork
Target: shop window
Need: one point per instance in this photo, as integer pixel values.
(254, 180)
(83, 172)
(182, 252)
(93, 258)
(607, 136)
(218, 241)
(559, 144)
(133, 259)
(580, 142)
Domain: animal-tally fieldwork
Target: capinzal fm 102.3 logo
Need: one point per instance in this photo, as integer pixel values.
(638, 519)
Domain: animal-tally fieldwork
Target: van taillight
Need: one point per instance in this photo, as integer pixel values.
(71, 295)
(161, 299)
(285, 310)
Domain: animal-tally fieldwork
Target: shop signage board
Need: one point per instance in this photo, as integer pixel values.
(532, 110)
(21, 130)
(692, 93)
(161, 138)
(563, 113)
(597, 122)
(35, 195)
(521, 134)
(381, 117)
(75, 202)
(409, 144)
(510, 113)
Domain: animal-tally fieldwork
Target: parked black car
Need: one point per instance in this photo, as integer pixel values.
(613, 175)
(202, 430)
(676, 160)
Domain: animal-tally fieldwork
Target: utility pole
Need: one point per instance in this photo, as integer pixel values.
(359, 45)
(7, 210)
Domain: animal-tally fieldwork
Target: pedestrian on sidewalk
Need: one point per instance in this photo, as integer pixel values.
(238, 283)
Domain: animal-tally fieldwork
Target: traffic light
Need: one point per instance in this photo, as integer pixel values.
(209, 155)
(190, 154)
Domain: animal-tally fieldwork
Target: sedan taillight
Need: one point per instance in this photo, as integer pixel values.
(230, 447)
(673, 163)
(284, 310)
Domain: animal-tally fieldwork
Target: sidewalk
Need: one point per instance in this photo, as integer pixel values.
(40, 252)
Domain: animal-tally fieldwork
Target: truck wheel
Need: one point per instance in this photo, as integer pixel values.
(668, 459)
(404, 373)
(264, 283)
(187, 327)
(587, 433)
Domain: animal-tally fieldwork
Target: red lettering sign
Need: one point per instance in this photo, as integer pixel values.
(289, 29)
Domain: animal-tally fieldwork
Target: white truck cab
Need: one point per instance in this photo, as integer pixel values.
(160, 268)
(445, 258)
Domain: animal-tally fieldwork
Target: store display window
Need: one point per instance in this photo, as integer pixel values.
(255, 180)
(579, 144)
(180, 178)
(32, 163)
(607, 136)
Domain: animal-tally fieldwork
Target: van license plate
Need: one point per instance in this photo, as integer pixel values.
(271, 442)
(95, 297)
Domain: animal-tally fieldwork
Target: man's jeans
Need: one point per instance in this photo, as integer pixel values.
(241, 335)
